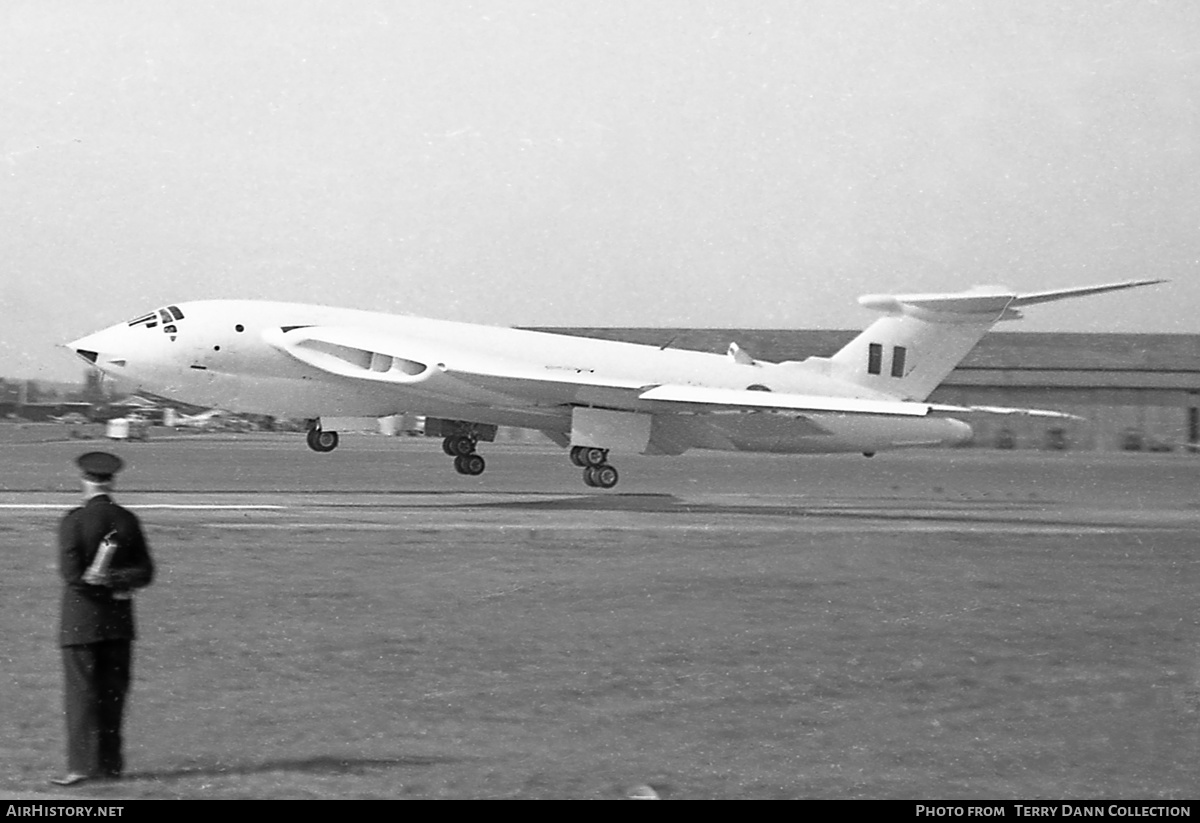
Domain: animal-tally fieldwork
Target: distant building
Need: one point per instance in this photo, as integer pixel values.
(42, 412)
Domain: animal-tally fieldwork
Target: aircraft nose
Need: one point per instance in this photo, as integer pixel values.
(85, 347)
(91, 346)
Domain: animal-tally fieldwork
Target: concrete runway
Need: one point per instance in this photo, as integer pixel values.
(372, 482)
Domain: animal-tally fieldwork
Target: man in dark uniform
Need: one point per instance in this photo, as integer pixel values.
(97, 627)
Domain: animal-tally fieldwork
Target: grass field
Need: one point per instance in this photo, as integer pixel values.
(917, 626)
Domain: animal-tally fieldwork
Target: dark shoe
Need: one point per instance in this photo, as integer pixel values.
(72, 779)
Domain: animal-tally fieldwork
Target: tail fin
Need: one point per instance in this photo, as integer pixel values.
(922, 337)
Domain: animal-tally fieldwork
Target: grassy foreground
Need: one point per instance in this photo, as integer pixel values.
(411, 659)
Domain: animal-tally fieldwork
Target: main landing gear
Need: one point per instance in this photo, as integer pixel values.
(320, 440)
(594, 462)
(462, 448)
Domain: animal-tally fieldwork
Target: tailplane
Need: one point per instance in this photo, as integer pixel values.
(922, 337)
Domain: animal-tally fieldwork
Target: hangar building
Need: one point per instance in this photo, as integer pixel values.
(1134, 391)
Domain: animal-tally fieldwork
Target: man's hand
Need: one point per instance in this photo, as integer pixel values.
(96, 579)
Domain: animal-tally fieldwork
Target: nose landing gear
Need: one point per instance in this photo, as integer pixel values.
(597, 473)
(320, 440)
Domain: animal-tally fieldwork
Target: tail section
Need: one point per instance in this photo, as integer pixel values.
(922, 337)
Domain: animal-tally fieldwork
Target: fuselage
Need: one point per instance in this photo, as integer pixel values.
(239, 355)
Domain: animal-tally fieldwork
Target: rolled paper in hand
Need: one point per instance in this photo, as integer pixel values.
(97, 572)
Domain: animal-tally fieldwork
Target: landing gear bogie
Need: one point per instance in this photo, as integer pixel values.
(462, 448)
(594, 462)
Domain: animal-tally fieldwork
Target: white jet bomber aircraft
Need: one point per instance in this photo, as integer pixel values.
(335, 367)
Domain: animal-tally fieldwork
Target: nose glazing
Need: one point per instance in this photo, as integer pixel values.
(90, 347)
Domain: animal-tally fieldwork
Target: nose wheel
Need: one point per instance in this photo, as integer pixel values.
(597, 473)
(320, 440)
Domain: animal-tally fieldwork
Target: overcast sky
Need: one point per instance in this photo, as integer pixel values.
(727, 164)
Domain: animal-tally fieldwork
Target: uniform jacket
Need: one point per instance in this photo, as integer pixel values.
(90, 613)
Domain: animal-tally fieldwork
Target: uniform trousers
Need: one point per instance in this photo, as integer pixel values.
(97, 680)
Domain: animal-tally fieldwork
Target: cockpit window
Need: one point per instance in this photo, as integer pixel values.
(169, 315)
